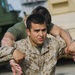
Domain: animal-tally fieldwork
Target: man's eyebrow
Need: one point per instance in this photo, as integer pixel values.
(39, 29)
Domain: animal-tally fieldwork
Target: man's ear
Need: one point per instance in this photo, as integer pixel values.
(28, 32)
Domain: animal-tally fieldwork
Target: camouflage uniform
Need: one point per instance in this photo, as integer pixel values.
(40, 63)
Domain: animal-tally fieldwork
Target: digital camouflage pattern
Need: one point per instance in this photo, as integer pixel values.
(40, 63)
(43, 63)
(6, 54)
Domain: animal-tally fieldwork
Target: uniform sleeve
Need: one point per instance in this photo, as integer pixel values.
(15, 31)
(62, 45)
(21, 45)
(49, 27)
(6, 53)
(18, 30)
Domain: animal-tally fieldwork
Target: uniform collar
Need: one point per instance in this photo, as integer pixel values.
(45, 47)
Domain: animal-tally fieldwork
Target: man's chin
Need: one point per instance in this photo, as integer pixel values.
(40, 43)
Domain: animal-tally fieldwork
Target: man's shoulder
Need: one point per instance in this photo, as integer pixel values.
(22, 41)
(22, 45)
(56, 41)
(19, 23)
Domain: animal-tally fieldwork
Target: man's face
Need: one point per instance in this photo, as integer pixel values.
(37, 33)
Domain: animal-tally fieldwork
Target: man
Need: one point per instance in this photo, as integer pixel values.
(41, 53)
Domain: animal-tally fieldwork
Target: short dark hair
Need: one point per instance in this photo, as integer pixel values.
(35, 18)
(44, 12)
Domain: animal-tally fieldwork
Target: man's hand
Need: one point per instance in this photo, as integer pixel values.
(71, 48)
(18, 56)
(16, 69)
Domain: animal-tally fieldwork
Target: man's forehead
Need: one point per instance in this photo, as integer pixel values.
(38, 26)
(38, 23)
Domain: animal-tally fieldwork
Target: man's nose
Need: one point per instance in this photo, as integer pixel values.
(41, 33)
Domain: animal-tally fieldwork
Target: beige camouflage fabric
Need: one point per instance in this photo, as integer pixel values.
(36, 62)
(6, 54)
(43, 63)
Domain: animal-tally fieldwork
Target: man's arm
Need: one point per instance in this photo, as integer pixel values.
(66, 36)
(57, 31)
(10, 54)
(7, 53)
(8, 39)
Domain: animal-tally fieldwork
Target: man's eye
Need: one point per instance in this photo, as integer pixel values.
(44, 30)
(36, 30)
